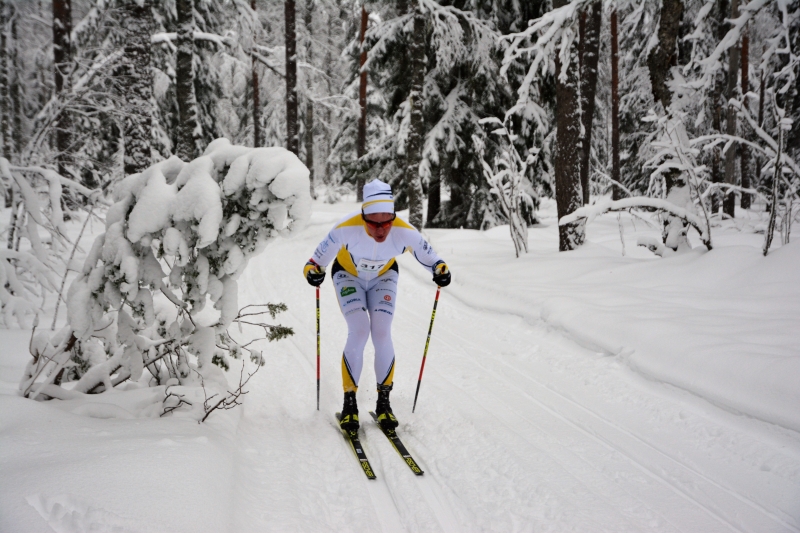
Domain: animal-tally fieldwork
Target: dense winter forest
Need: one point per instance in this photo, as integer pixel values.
(476, 110)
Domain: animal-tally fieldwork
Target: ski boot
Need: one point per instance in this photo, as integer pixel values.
(349, 419)
(384, 411)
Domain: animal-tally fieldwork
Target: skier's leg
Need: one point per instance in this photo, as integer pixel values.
(353, 303)
(381, 300)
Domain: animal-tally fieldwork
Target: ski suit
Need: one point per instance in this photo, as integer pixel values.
(365, 275)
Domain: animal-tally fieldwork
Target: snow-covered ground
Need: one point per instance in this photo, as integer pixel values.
(582, 391)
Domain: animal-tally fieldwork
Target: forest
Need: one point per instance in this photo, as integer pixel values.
(466, 105)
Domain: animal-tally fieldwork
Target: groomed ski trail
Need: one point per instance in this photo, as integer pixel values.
(518, 428)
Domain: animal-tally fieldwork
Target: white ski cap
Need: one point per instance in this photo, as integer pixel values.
(378, 198)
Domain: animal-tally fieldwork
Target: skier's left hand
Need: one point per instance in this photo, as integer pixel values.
(441, 274)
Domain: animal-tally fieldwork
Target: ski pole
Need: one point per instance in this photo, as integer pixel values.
(318, 348)
(427, 342)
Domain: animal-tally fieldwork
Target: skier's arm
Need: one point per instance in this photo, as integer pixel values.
(328, 248)
(427, 257)
(314, 269)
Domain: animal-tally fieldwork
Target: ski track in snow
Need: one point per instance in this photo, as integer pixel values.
(517, 428)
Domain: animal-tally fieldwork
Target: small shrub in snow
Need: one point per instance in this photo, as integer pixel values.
(31, 263)
(177, 238)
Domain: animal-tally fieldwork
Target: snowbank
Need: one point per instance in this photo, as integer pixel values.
(719, 324)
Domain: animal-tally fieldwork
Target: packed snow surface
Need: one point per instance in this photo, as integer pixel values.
(581, 391)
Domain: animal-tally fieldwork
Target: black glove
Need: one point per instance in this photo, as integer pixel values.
(441, 274)
(315, 274)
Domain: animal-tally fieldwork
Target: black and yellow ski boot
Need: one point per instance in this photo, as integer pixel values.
(349, 418)
(384, 411)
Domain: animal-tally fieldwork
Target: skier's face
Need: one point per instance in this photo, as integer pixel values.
(378, 225)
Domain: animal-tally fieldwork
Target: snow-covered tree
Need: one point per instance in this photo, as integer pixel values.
(177, 238)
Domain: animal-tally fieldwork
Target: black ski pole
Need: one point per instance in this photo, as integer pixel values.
(427, 342)
(318, 348)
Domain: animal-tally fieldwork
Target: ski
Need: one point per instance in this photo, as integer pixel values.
(355, 444)
(391, 434)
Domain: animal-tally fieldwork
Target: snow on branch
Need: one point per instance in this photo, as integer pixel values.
(168, 37)
(590, 212)
(178, 237)
(36, 203)
(540, 41)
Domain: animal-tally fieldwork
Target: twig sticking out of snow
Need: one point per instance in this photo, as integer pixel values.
(230, 400)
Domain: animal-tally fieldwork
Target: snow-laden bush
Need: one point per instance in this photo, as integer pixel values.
(178, 236)
(32, 263)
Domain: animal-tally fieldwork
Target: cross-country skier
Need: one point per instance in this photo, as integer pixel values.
(363, 247)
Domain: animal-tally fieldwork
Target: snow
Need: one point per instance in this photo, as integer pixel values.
(577, 391)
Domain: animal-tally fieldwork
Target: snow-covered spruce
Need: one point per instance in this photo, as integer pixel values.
(178, 235)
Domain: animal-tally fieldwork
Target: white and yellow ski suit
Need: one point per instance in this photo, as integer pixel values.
(365, 274)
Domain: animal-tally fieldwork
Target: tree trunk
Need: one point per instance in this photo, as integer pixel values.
(186, 147)
(664, 55)
(329, 76)
(309, 127)
(16, 91)
(62, 29)
(615, 172)
(292, 140)
(729, 201)
(136, 83)
(417, 124)
(361, 147)
(5, 101)
(569, 196)
(435, 196)
(716, 112)
(256, 103)
(746, 198)
(590, 54)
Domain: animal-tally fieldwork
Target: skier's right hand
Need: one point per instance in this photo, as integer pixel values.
(441, 274)
(315, 274)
